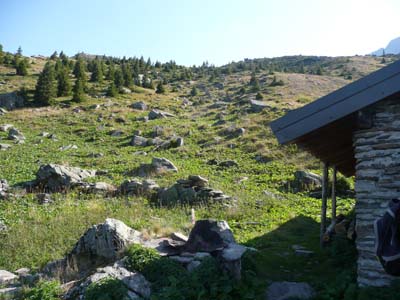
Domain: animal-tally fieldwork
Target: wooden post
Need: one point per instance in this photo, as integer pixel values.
(334, 171)
(324, 200)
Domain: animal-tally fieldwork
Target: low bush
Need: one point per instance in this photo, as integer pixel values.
(107, 289)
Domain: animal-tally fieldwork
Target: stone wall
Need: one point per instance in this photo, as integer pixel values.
(377, 153)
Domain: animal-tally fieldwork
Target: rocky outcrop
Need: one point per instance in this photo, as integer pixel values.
(57, 177)
(100, 245)
(140, 105)
(158, 165)
(304, 181)
(11, 101)
(191, 191)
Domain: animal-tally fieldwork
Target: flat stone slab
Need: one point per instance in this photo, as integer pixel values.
(286, 290)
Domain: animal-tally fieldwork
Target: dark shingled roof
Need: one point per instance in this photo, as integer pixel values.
(325, 127)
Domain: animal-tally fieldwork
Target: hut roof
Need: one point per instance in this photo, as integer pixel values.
(325, 126)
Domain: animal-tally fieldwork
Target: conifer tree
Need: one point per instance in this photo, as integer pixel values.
(63, 83)
(19, 51)
(111, 72)
(1, 54)
(80, 70)
(194, 91)
(127, 74)
(21, 67)
(160, 88)
(79, 91)
(112, 90)
(97, 73)
(46, 89)
(54, 55)
(118, 78)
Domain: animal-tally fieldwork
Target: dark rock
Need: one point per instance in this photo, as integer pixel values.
(44, 198)
(15, 134)
(138, 141)
(157, 166)
(304, 181)
(289, 290)
(140, 105)
(116, 133)
(11, 101)
(158, 114)
(209, 236)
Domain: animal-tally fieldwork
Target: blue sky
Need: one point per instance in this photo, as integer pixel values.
(193, 31)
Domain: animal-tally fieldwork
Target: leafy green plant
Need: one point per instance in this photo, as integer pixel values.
(44, 290)
(140, 257)
(107, 289)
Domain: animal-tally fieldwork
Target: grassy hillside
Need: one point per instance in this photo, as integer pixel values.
(38, 234)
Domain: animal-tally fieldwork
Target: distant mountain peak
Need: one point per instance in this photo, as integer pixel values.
(392, 48)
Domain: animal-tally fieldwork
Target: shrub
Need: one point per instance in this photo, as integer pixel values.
(139, 257)
(106, 289)
(259, 96)
(45, 290)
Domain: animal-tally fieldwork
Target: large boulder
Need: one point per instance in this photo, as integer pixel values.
(159, 165)
(138, 286)
(11, 101)
(100, 245)
(140, 105)
(7, 277)
(57, 177)
(209, 236)
(304, 181)
(138, 140)
(286, 290)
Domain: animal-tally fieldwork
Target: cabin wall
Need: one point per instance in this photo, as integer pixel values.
(377, 153)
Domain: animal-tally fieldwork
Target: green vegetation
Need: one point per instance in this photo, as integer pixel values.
(44, 290)
(263, 216)
(106, 289)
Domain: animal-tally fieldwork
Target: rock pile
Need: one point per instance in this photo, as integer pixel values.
(192, 190)
(136, 187)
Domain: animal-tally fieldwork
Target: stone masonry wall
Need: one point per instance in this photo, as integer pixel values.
(377, 153)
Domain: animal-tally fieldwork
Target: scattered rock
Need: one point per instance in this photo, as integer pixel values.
(3, 111)
(10, 292)
(6, 127)
(57, 177)
(304, 181)
(68, 147)
(257, 106)
(125, 90)
(101, 244)
(173, 142)
(3, 188)
(116, 133)
(157, 166)
(44, 198)
(140, 105)
(139, 141)
(101, 188)
(7, 277)
(233, 131)
(136, 187)
(191, 191)
(5, 147)
(176, 236)
(289, 290)
(158, 114)
(16, 135)
(11, 101)
(3, 226)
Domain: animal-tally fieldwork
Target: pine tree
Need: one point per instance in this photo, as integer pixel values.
(160, 88)
(127, 74)
(255, 85)
(112, 90)
(46, 89)
(111, 72)
(118, 78)
(63, 83)
(79, 91)
(54, 55)
(19, 51)
(97, 73)
(194, 91)
(1, 54)
(21, 67)
(80, 70)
